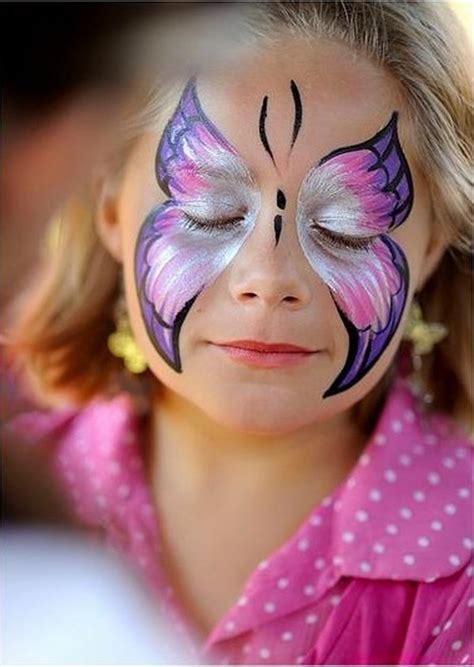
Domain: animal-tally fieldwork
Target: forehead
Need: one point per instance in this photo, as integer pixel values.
(345, 99)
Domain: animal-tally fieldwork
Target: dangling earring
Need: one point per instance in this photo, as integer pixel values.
(423, 336)
(122, 343)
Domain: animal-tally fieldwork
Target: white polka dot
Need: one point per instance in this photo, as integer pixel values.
(300, 660)
(396, 426)
(326, 501)
(456, 645)
(450, 508)
(454, 560)
(351, 482)
(311, 619)
(461, 452)
(365, 567)
(470, 602)
(419, 496)
(434, 478)
(465, 659)
(335, 600)
(114, 468)
(447, 625)
(409, 416)
(406, 513)
(380, 439)
(405, 460)
(337, 560)
(423, 541)
(303, 544)
(246, 649)
(337, 506)
(264, 653)
(287, 636)
(391, 529)
(242, 601)
(269, 607)
(470, 570)
(378, 548)
(429, 580)
(390, 475)
(315, 520)
(282, 583)
(347, 536)
(375, 495)
(319, 563)
(409, 559)
(229, 626)
(263, 565)
(436, 525)
(463, 493)
(364, 460)
(448, 462)
(468, 543)
(361, 515)
(123, 491)
(435, 631)
(419, 450)
(308, 590)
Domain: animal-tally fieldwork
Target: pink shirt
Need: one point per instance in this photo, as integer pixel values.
(380, 572)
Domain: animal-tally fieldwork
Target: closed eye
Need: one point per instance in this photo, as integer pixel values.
(338, 240)
(207, 224)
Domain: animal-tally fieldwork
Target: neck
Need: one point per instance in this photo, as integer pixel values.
(193, 452)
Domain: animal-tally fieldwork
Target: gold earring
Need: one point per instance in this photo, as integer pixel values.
(423, 336)
(121, 342)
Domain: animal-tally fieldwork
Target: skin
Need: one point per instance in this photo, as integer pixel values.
(232, 447)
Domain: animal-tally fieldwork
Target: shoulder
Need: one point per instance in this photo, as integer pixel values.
(92, 451)
(408, 499)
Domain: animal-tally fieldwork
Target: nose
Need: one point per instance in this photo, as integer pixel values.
(269, 275)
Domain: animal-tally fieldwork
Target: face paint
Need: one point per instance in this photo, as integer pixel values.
(346, 204)
(184, 244)
(298, 112)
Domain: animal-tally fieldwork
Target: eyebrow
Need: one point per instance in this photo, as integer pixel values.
(226, 170)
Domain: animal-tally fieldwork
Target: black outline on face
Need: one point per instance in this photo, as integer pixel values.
(298, 112)
(262, 130)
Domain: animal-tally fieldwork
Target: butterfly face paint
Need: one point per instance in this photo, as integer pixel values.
(346, 205)
(187, 242)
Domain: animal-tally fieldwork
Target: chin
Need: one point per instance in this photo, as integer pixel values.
(269, 416)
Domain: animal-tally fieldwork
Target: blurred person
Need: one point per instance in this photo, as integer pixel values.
(255, 341)
(64, 600)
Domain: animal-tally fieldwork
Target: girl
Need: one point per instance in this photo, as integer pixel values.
(292, 489)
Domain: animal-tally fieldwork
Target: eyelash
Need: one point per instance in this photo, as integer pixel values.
(341, 240)
(209, 225)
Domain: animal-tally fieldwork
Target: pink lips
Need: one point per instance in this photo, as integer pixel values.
(265, 355)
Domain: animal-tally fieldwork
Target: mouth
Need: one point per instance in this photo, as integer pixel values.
(265, 355)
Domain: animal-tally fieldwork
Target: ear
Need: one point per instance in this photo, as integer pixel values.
(435, 250)
(106, 216)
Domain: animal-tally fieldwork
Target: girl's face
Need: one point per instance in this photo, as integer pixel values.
(272, 236)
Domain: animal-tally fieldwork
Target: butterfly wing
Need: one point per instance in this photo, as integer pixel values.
(172, 263)
(364, 191)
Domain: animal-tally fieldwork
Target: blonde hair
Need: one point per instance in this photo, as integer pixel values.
(64, 335)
